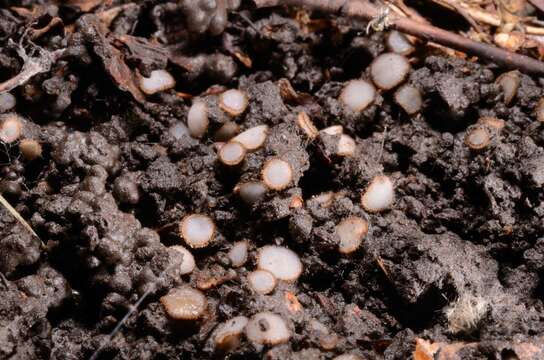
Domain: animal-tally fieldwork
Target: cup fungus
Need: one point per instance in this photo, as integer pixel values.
(357, 95)
(159, 80)
(346, 146)
(188, 262)
(30, 149)
(477, 138)
(267, 328)
(492, 122)
(251, 192)
(351, 232)
(226, 336)
(539, 110)
(379, 195)
(261, 281)
(197, 119)
(227, 131)
(178, 130)
(11, 128)
(7, 102)
(283, 263)
(409, 99)
(252, 138)
(348, 357)
(333, 130)
(277, 174)
(238, 253)
(184, 303)
(232, 153)
(306, 125)
(509, 83)
(197, 230)
(398, 43)
(389, 70)
(233, 101)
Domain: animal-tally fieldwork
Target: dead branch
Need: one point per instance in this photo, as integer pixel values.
(366, 11)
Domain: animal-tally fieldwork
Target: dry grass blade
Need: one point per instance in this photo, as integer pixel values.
(16, 215)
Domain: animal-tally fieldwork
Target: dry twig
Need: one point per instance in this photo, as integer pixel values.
(366, 11)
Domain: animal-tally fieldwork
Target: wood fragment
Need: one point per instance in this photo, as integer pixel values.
(367, 11)
(16, 215)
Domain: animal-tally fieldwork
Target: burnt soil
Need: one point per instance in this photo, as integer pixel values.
(112, 184)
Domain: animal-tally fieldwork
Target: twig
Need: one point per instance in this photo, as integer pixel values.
(33, 65)
(365, 10)
(16, 215)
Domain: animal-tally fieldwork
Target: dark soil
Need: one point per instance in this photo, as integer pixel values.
(112, 184)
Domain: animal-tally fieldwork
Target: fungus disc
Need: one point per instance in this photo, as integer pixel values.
(188, 262)
(238, 254)
(267, 328)
(346, 146)
(232, 153)
(252, 192)
(477, 138)
(197, 119)
(379, 195)
(283, 263)
(389, 70)
(252, 138)
(398, 43)
(409, 99)
(7, 102)
(159, 80)
(233, 101)
(227, 335)
(351, 232)
(261, 281)
(10, 128)
(197, 230)
(277, 174)
(357, 95)
(184, 303)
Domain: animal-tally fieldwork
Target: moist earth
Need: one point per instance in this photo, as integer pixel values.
(107, 194)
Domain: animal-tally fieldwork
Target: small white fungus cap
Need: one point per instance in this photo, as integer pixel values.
(227, 335)
(7, 102)
(159, 80)
(197, 230)
(178, 130)
(233, 101)
(346, 146)
(188, 262)
(409, 99)
(389, 70)
(184, 303)
(351, 232)
(348, 357)
(238, 253)
(252, 138)
(282, 262)
(197, 119)
(11, 127)
(261, 281)
(251, 192)
(357, 95)
(277, 174)
(232, 153)
(398, 43)
(267, 328)
(379, 195)
(333, 130)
